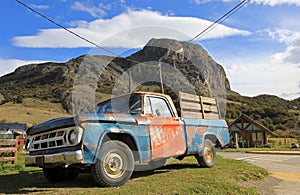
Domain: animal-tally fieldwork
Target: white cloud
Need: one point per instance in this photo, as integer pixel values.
(263, 2)
(201, 1)
(9, 65)
(276, 2)
(97, 12)
(131, 29)
(291, 39)
(254, 78)
(39, 6)
(79, 24)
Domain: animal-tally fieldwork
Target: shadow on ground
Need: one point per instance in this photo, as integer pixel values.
(34, 181)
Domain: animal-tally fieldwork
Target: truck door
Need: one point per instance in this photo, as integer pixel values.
(166, 131)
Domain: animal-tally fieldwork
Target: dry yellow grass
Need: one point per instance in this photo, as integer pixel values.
(283, 141)
(31, 111)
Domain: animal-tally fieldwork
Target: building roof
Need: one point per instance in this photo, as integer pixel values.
(13, 126)
(251, 124)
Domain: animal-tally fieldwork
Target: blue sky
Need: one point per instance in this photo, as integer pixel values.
(259, 46)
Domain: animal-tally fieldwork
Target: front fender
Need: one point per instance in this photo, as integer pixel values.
(97, 133)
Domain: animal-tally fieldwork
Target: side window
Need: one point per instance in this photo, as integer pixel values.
(158, 107)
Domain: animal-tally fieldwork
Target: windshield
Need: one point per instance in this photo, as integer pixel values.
(129, 104)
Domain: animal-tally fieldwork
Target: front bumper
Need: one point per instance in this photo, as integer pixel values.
(59, 159)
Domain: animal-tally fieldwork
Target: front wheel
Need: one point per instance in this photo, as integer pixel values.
(207, 157)
(114, 165)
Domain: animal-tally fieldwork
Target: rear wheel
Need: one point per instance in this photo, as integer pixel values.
(207, 157)
(114, 165)
(59, 174)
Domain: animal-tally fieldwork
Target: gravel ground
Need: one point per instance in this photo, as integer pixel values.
(267, 186)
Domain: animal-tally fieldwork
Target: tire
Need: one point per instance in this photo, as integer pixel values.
(207, 157)
(114, 165)
(55, 175)
(154, 164)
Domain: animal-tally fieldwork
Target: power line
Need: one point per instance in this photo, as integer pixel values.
(201, 34)
(61, 26)
(221, 19)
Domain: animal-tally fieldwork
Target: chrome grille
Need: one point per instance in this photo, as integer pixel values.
(49, 140)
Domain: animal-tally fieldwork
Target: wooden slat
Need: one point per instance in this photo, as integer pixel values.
(8, 142)
(9, 147)
(210, 108)
(7, 159)
(207, 100)
(193, 106)
(190, 105)
(186, 114)
(211, 116)
(7, 150)
(187, 96)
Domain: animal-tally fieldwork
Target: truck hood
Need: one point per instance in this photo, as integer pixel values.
(111, 118)
(52, 124)
(64, 122)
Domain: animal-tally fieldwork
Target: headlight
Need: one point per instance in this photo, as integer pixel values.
(74, 136)
(27, 144)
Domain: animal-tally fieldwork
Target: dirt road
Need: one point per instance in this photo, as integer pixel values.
(284, 171)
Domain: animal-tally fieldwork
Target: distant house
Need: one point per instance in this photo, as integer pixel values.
(246, 132)
(7, 130)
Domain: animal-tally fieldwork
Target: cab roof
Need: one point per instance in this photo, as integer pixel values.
(150, 94)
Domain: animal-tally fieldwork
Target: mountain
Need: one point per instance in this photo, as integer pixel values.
(83, 81)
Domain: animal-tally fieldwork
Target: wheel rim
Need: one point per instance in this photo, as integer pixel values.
(208, 154)
(114, 165)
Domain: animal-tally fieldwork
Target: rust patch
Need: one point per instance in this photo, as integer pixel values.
(166, 137)
(80, 118)
(85, 125)
(200, 145)
(190, 143)
(201, 130)
(147, 130)
(94, 146)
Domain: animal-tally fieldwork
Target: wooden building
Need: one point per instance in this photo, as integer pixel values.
(11, 130)
(246, 132)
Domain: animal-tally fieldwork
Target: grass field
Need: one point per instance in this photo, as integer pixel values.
(177, 177)
(31, 111)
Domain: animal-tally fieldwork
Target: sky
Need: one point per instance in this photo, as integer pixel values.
(258, 46)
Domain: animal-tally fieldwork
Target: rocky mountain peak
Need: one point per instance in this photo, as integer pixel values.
(191, 59)
(181, 62)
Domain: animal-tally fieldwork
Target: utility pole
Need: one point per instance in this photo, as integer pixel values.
(129, 80)
(161, 79)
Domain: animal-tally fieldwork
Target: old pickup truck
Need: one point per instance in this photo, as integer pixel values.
(140, 127)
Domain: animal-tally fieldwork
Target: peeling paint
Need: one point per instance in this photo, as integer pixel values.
(167, 137)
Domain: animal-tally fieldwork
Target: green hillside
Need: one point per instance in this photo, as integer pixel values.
(273, 112)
